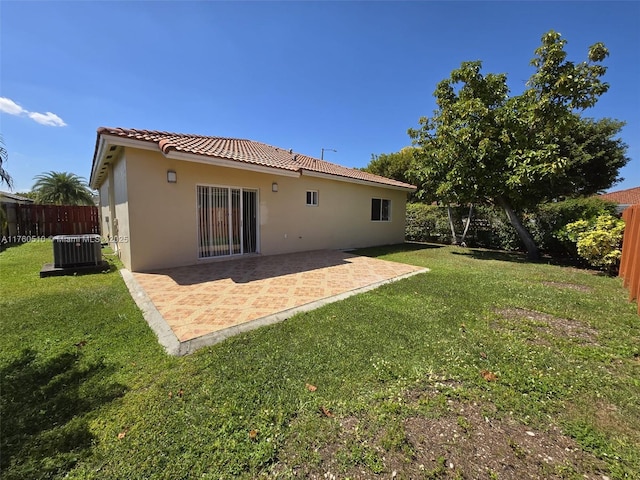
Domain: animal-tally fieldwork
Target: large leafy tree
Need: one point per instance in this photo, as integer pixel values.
(395, 165)
(594, 158)
(483, 146)
(62, 188)
(4, 158)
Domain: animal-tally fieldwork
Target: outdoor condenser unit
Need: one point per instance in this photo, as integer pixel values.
(76, 250)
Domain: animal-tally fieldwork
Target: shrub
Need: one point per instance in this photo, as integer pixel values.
(491, 229)
(598, 241)
(489, 226)
(550, 218)
(427, 223)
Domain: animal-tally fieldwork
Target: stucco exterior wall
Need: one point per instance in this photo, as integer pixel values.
(105, 214)
(114, 209)
(120, 196)
(160, 218)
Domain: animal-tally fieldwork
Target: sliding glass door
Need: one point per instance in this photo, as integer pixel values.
(249, 221)
(227, 221)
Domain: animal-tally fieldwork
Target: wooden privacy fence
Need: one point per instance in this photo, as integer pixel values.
(630, 262)
(48, 220)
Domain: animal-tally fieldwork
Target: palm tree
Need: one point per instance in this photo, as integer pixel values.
(4, 158)
(62, 188)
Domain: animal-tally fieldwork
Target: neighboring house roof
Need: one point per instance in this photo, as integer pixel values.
(12, 198)
(630, 196)
(236, 153)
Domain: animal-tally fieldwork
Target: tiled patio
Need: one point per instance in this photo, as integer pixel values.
(191, 307)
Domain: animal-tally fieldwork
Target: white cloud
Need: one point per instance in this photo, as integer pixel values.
(9, 106)
(49, 119)
(12, 108)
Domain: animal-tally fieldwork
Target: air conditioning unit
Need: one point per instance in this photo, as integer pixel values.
(76, 250)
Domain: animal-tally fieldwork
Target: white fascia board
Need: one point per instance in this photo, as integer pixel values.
(106, 141)
(97, 162)
(222, 162)
(328, 176)
(130, 142)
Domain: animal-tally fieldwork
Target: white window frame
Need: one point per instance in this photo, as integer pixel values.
(314, 196)
(381, 216)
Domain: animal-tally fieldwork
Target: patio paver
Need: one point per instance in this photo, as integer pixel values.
(194, 306)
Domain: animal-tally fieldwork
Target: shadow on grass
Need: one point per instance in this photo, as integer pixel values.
(480, 254)
(5, 245)
(398, 248)
(109, 266)
(43, 409)
(517, 257)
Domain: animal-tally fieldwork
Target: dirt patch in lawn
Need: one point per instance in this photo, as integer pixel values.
(556, 326)
(466, 442)
(569, 286)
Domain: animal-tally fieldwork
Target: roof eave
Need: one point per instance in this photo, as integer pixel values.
(105, 141)
(97, 162)
(333, 176)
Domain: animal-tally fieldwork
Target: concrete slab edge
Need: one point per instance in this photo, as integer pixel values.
(153, 317)
(190, 346)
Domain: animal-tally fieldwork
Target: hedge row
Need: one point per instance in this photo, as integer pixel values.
(490, 228)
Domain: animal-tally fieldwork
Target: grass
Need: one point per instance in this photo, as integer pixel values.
(88, 393)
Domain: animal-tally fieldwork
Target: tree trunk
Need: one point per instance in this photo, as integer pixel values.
(523, 233)
(454, 240)
(466, 227)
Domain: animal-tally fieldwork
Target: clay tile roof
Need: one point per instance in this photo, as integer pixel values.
(246, 151)
(630, 196)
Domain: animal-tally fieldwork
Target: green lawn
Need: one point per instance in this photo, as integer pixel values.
(484, 365)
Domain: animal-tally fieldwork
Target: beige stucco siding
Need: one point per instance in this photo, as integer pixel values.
(120, 196)
(114, 209)
(105, 214)
(342, 218)
(161, 217)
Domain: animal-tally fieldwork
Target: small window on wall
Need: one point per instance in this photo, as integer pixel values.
(380, 210)
(312, 198)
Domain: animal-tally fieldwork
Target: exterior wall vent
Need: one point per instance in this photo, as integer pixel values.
(76, 250)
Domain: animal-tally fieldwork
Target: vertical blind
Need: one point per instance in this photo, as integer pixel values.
(225, 225)
(250, 220)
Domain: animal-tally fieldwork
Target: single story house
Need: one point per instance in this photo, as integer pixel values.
(6, 197)
(8, 214)
(624, 198)
(170, 199)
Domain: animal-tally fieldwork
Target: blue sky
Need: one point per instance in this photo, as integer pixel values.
(350, 76)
